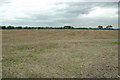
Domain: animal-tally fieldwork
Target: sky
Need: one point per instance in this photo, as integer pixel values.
(56, 13)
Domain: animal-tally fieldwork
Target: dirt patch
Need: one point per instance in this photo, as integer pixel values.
(60, 53)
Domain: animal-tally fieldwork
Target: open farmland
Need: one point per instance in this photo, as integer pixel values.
(59, 53)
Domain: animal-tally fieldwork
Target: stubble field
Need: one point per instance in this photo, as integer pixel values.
(56, 53)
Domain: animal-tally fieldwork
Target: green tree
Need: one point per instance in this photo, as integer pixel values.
(109, 27)
(10, 27)
(3, 27)
(25, 27)
(68, 27)
(100, 27)
(19, 27)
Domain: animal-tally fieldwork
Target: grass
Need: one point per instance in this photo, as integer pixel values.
(14, 50)
(11, 59)
(30, 76)
(114, 54)
(115, 42)
(59, 53)
(39, 51)
(79, 55)
(30, 55)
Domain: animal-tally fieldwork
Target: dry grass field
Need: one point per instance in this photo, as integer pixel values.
(55, 53)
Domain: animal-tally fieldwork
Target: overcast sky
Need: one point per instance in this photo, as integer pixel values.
(58, 13)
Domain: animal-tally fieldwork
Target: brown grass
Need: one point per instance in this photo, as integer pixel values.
(50, 53)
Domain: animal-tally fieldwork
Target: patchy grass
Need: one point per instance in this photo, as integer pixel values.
(79, 55)
(52, 45)
(14, 50)
(115, 42)
(39, 51)
(30, 75)
(60, 53)
(114, 54)
(11, 59)
(30, 55)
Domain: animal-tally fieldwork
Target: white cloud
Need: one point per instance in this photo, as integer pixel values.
(50, 12)
(100, 12)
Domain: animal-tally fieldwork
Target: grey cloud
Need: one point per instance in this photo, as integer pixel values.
(79, 8)
(70, 13)
(67, 15)
(74, 9)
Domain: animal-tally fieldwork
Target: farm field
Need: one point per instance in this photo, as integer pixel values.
(59, 53)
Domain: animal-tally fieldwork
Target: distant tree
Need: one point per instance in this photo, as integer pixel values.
(25, 27)
(68, 27)
(19, 27)
(3, 27)
(39, 28)
(90, 28)
(10, 27)
(100, 27)
(82, 28)
(29, 28)
(109, 27)
(33, 27)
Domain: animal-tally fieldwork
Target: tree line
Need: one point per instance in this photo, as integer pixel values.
(65, 27)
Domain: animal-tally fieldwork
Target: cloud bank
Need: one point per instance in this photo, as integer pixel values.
(58, 13)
